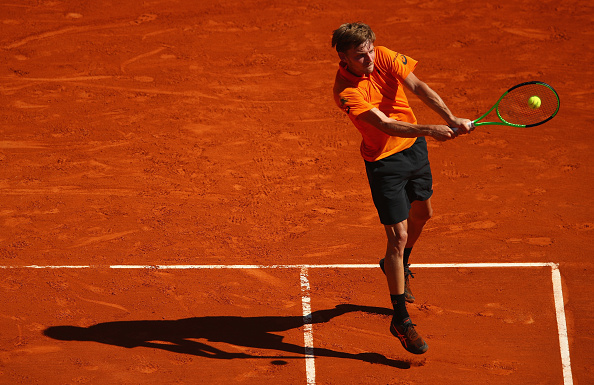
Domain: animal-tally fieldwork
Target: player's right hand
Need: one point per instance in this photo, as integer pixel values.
(443, 133)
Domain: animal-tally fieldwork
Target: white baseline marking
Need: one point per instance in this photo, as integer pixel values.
(328, 266)
(310, 368)
(562, 326)
(306, 300)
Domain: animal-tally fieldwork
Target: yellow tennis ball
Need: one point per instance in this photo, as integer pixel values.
(534, 102)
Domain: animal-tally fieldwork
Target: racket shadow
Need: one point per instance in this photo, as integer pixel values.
(179, 336)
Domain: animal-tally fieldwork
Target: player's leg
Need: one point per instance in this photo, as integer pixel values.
(401, 325)
(420, 212)
(393, 263)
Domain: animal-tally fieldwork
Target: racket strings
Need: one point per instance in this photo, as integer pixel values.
(515, 107)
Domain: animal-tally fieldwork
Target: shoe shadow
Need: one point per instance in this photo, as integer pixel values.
(179, 336)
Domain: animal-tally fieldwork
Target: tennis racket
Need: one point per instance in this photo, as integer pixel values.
(524, 105)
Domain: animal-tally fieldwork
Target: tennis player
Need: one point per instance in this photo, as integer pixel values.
(369, 88)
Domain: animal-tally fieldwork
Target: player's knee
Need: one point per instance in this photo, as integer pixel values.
(401, 237)
(397, 236)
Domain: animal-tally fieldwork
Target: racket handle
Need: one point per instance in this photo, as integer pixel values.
(455, 129)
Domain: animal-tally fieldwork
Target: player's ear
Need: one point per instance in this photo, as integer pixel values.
(342, 56)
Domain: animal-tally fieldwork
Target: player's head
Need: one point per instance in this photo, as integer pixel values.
(354, 44)
(351, 35)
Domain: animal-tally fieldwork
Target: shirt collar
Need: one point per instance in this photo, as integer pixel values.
(350, 76)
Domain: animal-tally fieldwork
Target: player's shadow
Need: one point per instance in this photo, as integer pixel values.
(180, 336)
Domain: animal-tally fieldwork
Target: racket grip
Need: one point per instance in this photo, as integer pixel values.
(455, 129)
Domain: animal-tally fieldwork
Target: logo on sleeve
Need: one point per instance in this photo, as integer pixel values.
(403, 58)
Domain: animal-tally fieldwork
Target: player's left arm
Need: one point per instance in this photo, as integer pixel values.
(436, 103)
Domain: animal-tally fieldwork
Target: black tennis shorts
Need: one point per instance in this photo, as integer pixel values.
(398, 180)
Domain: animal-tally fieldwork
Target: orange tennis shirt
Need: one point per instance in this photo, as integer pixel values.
(383, 88)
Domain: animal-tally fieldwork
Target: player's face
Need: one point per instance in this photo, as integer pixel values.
(360, 59)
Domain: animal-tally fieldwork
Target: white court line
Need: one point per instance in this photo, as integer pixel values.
(306, 300)
(307, 266)
(310, 367)
(562, 326)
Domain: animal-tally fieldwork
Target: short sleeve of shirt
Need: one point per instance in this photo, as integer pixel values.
(396, 64)
(353, 102)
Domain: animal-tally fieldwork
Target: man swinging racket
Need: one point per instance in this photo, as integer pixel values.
(369, 88)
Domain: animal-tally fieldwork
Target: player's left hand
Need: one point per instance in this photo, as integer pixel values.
(461, 126)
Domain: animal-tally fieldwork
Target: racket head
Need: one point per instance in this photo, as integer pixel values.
(514, 108)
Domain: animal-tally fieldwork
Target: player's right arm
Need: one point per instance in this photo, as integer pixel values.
(393, 127)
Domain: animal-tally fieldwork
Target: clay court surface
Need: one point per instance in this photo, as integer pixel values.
(140, 136)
